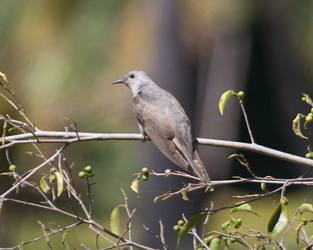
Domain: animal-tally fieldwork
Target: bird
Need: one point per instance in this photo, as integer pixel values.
(162, 119)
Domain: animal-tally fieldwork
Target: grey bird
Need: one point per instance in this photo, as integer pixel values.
(162, 119)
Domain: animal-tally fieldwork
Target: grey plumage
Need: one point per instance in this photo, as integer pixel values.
(162, 119)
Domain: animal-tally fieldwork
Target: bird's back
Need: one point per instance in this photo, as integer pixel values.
(160, 113)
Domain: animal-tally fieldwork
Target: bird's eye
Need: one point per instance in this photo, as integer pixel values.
(131, 75)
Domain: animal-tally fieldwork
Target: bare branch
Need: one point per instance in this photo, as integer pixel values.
(71, 137)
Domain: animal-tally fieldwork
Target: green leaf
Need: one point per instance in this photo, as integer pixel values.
(59, 183)
(188, 226)
(156, 199)
(135, 185)
(223, 100)
(245, 207)
(233, 155)
(296, 126)
(305, 126)
(306, 207)
(72, 165)
(208, 239)
(278, 220)
(297, 229)
(44, 185)
(4, 77)
(185, 197)
(6, 173)
(215, 243)
(115, 220)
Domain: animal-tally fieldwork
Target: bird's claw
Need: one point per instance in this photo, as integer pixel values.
(144, 138)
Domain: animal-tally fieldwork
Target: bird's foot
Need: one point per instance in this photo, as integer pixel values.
(144, 138)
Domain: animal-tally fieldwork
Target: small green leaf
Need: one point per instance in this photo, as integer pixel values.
(156, 199)
(297, 229)
(296, 126)
(306, 127)
(72, 165)
(278, 220)
(226, 226)
(306, 207)
(135, 185)
(115, 220)
(4, 77)
(245, 207)
(123, 192)
(208, 239)
(233, 155)
(215, 243)
(59, 183)
(185, 197)
(64, 240)
(6, 173)
(44, 185)
(188, 226)
(223, 100)
(263, 187)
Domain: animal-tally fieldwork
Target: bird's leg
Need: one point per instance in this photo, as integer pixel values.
(143, 133)
(145, 137)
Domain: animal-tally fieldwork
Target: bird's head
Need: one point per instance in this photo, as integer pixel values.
(135, 80)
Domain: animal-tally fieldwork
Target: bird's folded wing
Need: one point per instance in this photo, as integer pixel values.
(168, 148)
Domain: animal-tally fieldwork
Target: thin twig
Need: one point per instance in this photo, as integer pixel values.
(43, 236)
(162, 235)
(43, 227)
(246, 120)
(156, 236)
(289, 227)
(31, 173)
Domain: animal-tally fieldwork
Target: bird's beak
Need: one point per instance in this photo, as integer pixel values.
(121, 80)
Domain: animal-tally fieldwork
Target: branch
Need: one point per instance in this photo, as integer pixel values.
(72, 137)
(32, 172)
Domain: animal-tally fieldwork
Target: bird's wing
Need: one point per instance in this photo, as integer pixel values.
(184, 142)
(168, 127)
(156, 124)
(194, 161)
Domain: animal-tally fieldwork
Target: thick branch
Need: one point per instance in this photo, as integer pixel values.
(71, 137)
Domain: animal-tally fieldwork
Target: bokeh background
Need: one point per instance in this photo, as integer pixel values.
(62, 56)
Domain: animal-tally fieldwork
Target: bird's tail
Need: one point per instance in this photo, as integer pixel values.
(199, 169)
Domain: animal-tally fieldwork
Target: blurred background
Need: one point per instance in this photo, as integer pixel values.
(62, 56)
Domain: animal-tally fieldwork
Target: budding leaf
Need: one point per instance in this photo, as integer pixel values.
(4, 77)
(135, 185)
(245, 207)
(44, 185)
(223, 100)
(185, 197)
(306, 207)
(296, 126)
